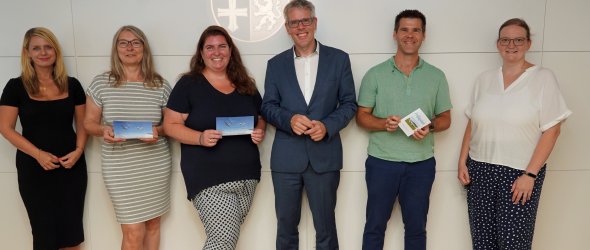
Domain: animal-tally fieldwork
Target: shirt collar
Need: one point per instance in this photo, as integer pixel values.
(395, 68)
(316, 51)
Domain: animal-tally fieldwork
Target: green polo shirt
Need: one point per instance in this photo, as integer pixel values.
(389, 91)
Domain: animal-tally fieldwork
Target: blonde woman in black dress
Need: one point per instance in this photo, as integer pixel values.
(50, 155)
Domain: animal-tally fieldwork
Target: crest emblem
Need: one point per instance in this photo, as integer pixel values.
(249, 20)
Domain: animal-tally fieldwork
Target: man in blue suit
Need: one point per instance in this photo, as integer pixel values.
(309, 97)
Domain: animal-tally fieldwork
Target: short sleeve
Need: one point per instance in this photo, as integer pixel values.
(473, 98)
(178, 100)
(12, 93)
(166, 89)
(76, 91)
(553, 107)
(443, 99)
(368, 91)
(93, 90)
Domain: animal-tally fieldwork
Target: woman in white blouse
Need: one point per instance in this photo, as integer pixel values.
(515, 116)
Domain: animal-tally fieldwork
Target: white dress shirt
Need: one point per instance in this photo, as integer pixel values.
(306, 69)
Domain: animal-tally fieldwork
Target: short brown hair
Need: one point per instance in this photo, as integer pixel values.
(410, 14)
(518, 22)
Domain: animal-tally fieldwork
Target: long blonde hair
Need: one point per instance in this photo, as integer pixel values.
(28, 74)
(151, 78)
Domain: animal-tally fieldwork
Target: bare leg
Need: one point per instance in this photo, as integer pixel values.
(133, 236)
(152, 234)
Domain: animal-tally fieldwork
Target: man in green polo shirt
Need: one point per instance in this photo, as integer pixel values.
(400, 166)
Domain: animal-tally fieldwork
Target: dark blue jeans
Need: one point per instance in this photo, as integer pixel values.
(411, 183)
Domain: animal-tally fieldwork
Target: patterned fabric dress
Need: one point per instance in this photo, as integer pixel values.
(136, 174)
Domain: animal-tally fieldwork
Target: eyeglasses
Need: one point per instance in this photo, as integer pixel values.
(124, 43)
(517, 41)
(304, 21)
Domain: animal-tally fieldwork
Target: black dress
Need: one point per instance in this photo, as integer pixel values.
(54, 199)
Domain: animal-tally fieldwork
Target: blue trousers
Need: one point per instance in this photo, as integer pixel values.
(411, 183)
(321, 192)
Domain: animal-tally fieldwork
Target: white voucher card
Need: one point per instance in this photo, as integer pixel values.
(414, 121)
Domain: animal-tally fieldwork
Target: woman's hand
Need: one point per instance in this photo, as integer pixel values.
(463, 173)
(109, 135)
(209, 138)
(257, 136)
(153, 139)
(522, 189)
(69, 160)
(47, 160)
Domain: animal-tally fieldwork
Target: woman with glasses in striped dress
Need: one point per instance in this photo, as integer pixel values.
(136, 172)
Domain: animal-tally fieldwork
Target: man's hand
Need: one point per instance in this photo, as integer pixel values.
(317, 132)
(421, 133)
(300, 123)
(392, 123)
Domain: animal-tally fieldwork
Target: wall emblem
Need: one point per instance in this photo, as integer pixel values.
(249, 20)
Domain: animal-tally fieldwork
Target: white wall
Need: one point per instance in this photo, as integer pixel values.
(460, 40)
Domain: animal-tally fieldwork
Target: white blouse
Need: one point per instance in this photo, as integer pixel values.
(506, 124)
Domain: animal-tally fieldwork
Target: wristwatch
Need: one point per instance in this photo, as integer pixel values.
(534, 176)
(431, 126)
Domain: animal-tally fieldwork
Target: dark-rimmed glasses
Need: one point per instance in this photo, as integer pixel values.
(304, 21)
(136, 43)
(504, 41)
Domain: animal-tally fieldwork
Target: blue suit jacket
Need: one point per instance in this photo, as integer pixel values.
(333, 102)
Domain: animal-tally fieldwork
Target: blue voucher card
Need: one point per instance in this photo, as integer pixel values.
(236, 125)
(133, 129)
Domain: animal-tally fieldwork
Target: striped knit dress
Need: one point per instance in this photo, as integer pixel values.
(136, 174)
